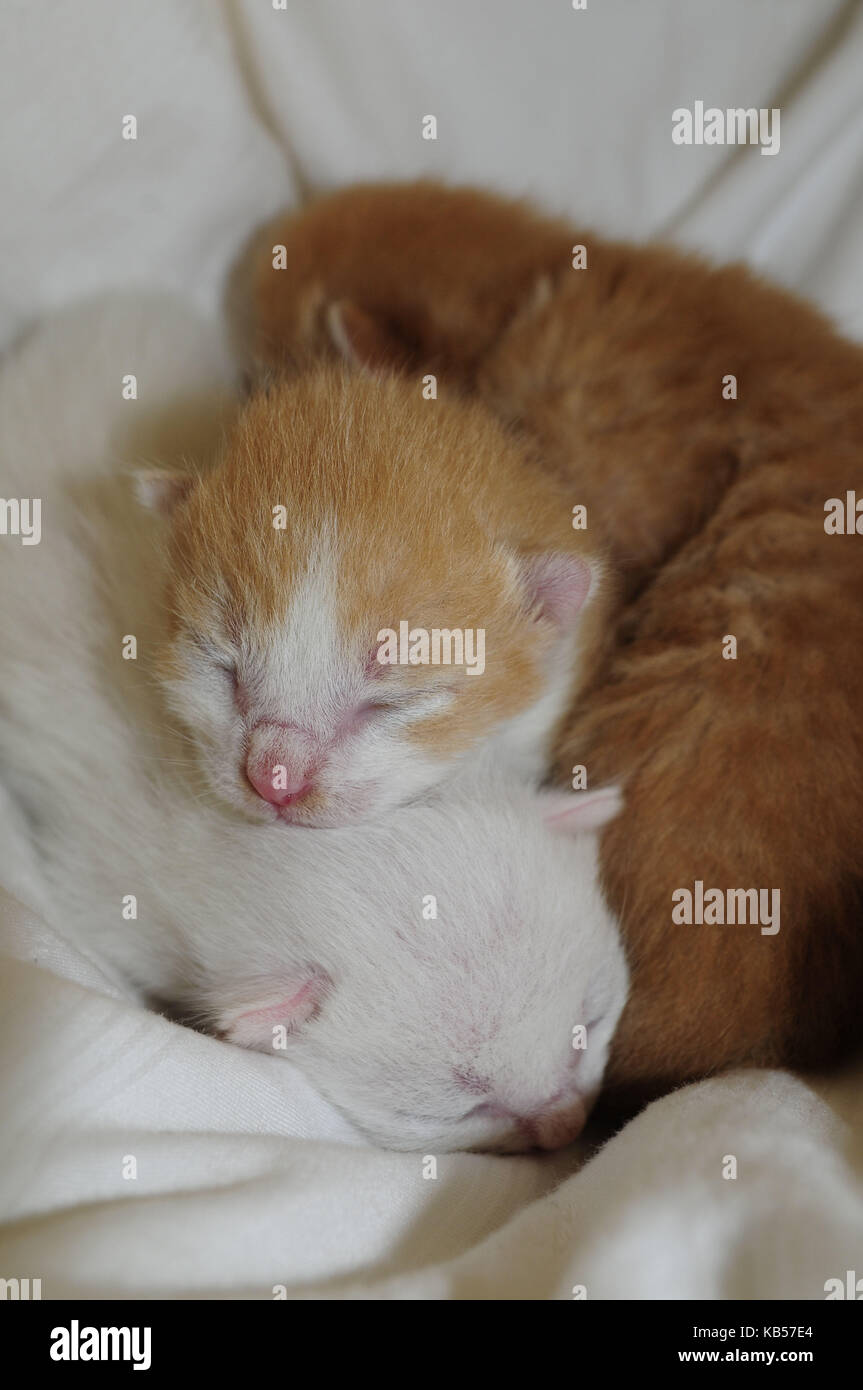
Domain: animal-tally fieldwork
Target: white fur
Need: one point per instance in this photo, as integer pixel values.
(232, 916)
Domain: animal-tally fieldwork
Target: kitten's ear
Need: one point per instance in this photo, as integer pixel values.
(557, 585)
(571, 813)
(161, 491)
(364, 340)
(273, 1005)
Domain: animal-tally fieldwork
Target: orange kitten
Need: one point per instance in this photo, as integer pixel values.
(351, 520)
(706, 420)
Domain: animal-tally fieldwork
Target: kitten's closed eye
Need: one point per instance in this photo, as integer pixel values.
(382, 706)
(216, 655)
(390, 704)
(402, 701)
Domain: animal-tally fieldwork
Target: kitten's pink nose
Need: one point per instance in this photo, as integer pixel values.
(267, 782)
(555, 1128)
(552, 1125)
(280, 763)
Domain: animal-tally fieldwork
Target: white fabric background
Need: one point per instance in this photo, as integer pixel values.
(246, 1178)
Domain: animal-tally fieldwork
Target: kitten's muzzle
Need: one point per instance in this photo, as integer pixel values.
(282, 761)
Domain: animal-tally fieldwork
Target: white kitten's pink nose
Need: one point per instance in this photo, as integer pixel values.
(557, 1127)
(281, 762)
(551, 1125)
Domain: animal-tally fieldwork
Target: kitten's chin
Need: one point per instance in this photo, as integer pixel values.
(358, 805)
(321, 820)
(323, 813)
(331, 816)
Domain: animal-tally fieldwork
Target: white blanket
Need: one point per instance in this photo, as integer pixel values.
(247, 1183)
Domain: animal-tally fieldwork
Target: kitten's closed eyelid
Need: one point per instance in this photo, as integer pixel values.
(594, 1021)
(217, 655)
(404, 699)
(381, 706)
(418, 1118)
(484, 1109)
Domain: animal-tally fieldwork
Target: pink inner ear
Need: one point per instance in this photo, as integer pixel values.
(574, 812)
(254, 1027)
(361, 338)
(558, 585)
(160, 490)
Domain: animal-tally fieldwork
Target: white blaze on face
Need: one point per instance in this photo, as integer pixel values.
(307, 676)
(300, 690)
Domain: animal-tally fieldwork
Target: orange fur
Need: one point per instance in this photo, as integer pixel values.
(402, 256)
(739, 773)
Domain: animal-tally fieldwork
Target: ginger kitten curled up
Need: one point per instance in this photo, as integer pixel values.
(341, 509)
(740, 772)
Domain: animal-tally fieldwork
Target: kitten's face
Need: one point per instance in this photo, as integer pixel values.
(485, 1026)
(295, 720)
(273, 658)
